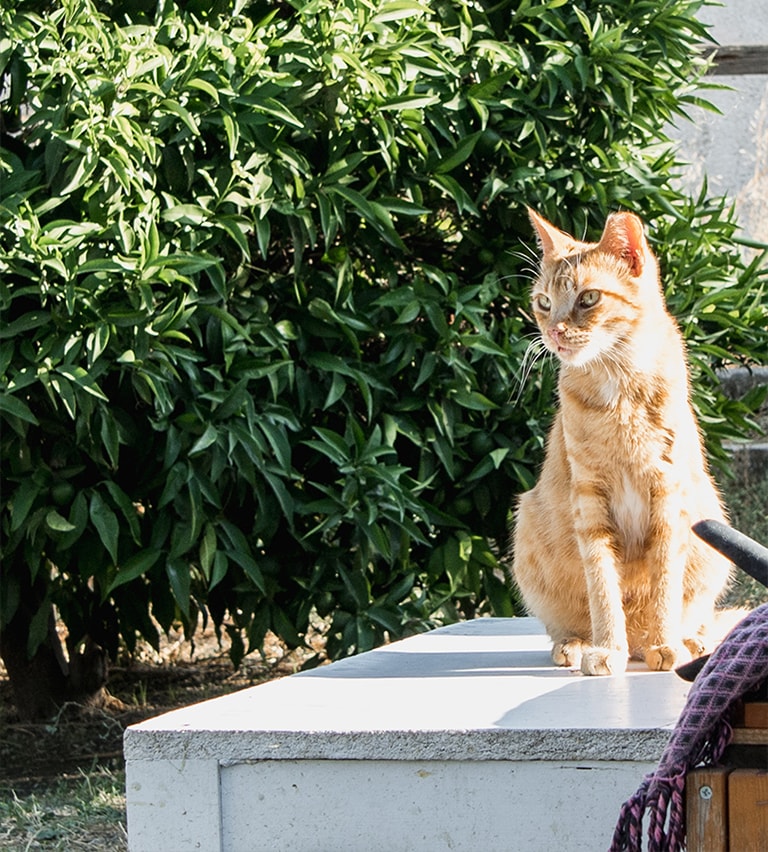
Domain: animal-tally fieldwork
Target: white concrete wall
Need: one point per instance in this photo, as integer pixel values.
(466, 738)
(731, 149)
(434, 806)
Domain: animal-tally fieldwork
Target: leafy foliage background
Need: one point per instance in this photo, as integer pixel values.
(263, 279)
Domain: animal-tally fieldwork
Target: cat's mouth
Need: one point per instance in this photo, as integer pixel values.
(565, 352)
(573, 355)
(561, 344)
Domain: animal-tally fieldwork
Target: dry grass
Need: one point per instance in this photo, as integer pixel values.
(85, 811)
(62, 783)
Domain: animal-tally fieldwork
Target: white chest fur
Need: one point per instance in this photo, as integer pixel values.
(631, 514)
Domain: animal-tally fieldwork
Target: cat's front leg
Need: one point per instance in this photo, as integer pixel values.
(609, 652)
(666, 561)
(604, 661)
(664, 657)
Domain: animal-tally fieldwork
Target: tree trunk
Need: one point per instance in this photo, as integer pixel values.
(43, 683)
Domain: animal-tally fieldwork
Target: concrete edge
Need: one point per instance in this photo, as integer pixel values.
(235, 747)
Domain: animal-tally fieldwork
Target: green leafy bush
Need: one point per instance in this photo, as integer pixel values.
(264, 296)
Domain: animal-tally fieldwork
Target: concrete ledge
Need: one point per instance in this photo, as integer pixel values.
(463, 738)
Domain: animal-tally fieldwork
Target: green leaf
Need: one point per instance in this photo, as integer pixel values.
(237, 227)
(21, 502)
(205, 86)
(330, 444)
(38, 627)
(208, 437)
(375, 214)
(28, 322)
(12, 405)
(460, 154)
(180, 579)
(336, 391)
(127, 508)
(220, 568)
(389, 619)
(57, 523)
(273, 107)
(78, 517)
(248, 564)
(138, 565)
(283, 495)
(183, 113)
(186, 214)
(357, 585)
(208, 550)
(473, 400)
(278, 439)
(409, 102)
(110, 439)
(106, 524)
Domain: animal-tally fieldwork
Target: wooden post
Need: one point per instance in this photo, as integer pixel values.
(706, 803)
(756, 714)
(748, 810)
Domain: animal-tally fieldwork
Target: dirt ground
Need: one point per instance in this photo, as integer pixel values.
(43, 765)
(151, 684)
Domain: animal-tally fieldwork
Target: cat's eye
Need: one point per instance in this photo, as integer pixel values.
(544, 302)
(589, 298)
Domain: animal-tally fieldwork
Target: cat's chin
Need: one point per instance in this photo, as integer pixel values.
(573, 357)
(564, 353)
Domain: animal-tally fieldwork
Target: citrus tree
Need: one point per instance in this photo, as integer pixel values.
(263, 280)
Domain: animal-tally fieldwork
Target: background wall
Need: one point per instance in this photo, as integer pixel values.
(732, 149)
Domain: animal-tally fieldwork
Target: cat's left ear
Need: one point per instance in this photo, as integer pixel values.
(554, 243)
(624, 237)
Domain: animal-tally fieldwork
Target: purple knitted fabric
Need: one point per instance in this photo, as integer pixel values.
(702, 732)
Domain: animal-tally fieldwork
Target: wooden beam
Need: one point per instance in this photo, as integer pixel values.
(738, 59)
(748, 810)
(706, 809)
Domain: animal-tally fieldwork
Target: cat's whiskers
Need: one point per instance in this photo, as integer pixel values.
(535, 351)
(531, 261)
(525, 273)
(527, 254)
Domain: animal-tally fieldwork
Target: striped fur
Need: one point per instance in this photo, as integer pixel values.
(603, 551)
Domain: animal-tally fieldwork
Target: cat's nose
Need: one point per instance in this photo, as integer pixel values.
(557, 331)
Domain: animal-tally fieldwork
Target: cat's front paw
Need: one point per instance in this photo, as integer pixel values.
(662, 658)
(569, 652)
(604, 661)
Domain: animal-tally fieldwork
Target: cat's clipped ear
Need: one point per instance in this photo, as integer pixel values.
(624, 237)
(554, 243)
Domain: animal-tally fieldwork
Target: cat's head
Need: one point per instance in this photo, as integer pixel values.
(589, 297)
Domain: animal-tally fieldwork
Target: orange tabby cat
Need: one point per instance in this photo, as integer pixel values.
(603, 549)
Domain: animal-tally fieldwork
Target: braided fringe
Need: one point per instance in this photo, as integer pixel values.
(629, 829)
(720, 739)
(664, 800)
(666, 809)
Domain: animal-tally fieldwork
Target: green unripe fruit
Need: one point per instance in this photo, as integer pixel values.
(62, 493)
